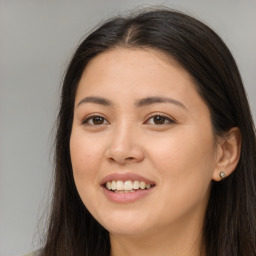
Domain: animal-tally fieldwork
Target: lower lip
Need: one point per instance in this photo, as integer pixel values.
(126, 197)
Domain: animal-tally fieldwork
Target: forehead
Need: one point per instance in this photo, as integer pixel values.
(124, 69)
(124, 76)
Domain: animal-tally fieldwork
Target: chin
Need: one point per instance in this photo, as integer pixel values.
(126, 224)
(132, 231)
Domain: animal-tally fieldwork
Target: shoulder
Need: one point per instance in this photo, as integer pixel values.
(34, 253)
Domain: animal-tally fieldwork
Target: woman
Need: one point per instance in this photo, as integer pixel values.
(155, 147)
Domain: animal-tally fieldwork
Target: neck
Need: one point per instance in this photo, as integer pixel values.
(164, 243)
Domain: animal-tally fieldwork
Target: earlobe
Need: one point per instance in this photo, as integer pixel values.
(228, 154)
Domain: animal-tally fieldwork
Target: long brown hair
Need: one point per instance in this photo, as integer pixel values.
(230, 220)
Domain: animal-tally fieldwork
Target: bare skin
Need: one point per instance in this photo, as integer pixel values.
(137, 112)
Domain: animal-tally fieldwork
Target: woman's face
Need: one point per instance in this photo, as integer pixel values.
(139, 121)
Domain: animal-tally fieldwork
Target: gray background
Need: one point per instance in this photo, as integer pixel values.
(36, 42)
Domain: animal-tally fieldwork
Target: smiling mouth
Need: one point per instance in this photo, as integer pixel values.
(128, 186)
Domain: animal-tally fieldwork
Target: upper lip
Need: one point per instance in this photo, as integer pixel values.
(125, 176)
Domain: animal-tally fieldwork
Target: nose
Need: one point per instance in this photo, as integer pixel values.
(124, 146)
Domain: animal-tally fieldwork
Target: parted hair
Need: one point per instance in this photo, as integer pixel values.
(230, 219)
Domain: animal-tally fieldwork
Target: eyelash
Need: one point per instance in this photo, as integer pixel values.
(168, 119)
(90, 118)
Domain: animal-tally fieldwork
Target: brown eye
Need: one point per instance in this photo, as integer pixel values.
(95, 120)
(159, 120)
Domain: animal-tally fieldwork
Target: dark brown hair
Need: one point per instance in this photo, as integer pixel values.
(230, 220)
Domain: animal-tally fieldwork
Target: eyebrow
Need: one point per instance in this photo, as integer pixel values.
(139, 103)
(152, 100)
(96, 100)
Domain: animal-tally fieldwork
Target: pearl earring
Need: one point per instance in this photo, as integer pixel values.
(222, 175)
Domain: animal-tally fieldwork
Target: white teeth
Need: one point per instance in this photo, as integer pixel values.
(120, 185)
(109, 185)
(136, 184)
(142, 185)
(113, 185)
(127, 186)
(124, 191)
(148, 186)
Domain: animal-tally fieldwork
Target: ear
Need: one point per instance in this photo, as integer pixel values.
(227, 153)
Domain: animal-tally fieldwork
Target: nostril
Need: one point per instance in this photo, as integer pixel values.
(129, 158)
(122, 156)
(111, 159)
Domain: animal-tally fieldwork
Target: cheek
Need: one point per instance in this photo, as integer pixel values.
(182, 152)
(185, 162)
(85, 158)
